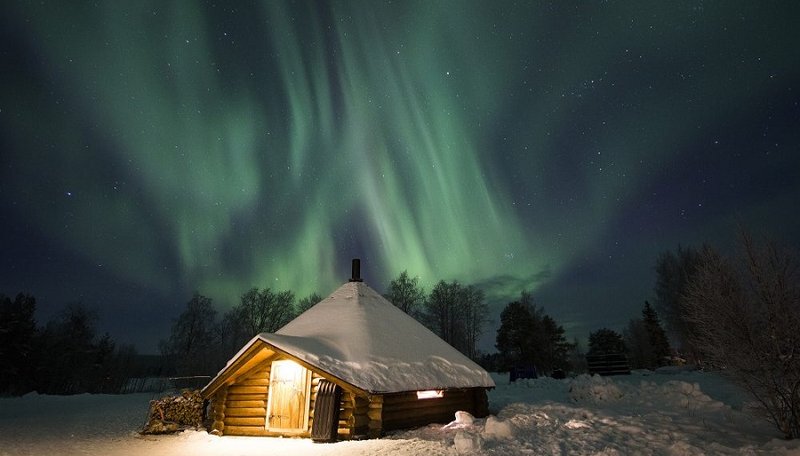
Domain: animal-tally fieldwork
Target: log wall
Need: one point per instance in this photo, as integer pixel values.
(404, 410)
(241, 408)
(245, 403)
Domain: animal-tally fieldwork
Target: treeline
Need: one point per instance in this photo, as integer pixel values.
(201, 340)
(65, 356)
(200, 343)
(644, 341)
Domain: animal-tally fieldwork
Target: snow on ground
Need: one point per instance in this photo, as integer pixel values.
(668, 413)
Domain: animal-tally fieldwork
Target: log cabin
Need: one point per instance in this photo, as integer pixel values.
(352, 366)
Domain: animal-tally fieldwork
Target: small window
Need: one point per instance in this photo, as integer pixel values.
(430, 394)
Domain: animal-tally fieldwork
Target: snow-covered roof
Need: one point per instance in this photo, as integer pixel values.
(358, 336)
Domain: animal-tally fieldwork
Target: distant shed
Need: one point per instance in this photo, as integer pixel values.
(352, 366)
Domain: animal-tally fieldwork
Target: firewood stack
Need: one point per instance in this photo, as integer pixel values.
(175, 413)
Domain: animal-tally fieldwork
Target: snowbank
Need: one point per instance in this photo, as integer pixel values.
(684, 413)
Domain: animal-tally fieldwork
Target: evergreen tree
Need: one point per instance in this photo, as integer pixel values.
(555, 350)
(605, 341)
(656, 335)
(514, 339)
(68, 352)
(530, 338)
(17, 344)
(637, 341)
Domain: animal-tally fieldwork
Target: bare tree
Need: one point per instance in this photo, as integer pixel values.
(406, 294)
(308, 302)
(745, 316)
(475, 314)
(442, 313)
(191, 341)
(264, 310)
(674, 270)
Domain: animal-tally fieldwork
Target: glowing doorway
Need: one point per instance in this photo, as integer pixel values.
(289, 395)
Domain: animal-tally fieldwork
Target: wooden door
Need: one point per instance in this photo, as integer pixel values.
(289, 388)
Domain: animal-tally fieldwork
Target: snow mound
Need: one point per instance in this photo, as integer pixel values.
(594, 390)
(497, 429)
(467, 442)
(686, 413)
(463, 420)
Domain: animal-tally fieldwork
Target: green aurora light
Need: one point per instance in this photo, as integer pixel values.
(187, 146)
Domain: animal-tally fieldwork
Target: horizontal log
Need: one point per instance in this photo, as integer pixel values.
(254, 382)
(429, 404)
(244, 430)
(245, 421)
(237, 389)
(431, 411)
(247, 397)
(240, 404)
(246, 411)
(428, 410)
(357, 421)
(405, 397)
(375, 424)
(375, 414)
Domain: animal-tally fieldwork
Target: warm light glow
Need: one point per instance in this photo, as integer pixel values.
(430, 394)
(286, 370)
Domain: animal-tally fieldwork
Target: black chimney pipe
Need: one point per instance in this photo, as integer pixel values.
(356, 275)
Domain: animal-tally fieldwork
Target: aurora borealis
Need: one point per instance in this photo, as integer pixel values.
(150, 149)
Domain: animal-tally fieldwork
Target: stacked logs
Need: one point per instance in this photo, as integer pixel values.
(175, 413)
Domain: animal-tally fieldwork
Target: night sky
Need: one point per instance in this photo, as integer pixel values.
(149, 149)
